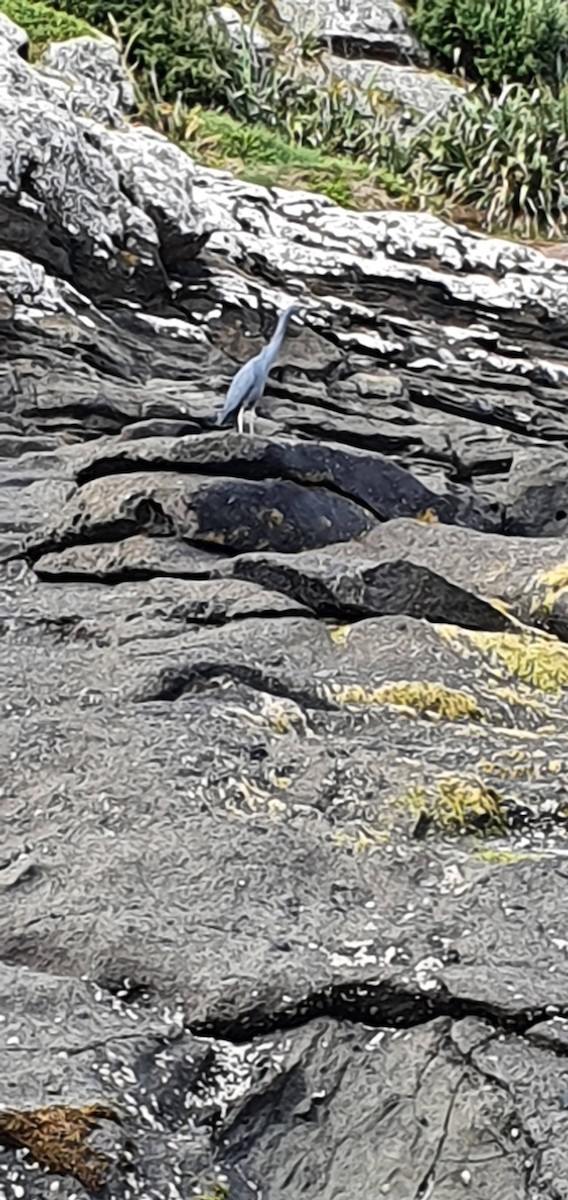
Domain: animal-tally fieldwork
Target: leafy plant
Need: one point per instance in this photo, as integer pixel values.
(506, 155)
(497, 40)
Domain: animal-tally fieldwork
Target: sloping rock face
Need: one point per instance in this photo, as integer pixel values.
(284, 717)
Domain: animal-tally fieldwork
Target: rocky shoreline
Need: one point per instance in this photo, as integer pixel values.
(284, 718)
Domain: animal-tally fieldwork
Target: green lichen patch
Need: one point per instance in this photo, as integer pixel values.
(361, 839)
(549, 586)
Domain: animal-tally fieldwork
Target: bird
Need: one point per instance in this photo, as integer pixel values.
(250, 381)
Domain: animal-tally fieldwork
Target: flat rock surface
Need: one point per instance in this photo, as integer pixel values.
(284, 717)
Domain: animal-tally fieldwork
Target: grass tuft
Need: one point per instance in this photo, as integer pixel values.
(263, 156)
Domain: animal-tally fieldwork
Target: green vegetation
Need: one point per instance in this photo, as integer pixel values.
(43, 24)
(176, 50)
(506, 156)
(494, 41)
(261, 156)
(500, 156)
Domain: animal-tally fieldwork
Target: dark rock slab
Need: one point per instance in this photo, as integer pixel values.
(369, 479)
(93, 1090)
(364, 589)
(344, 1098)
(140, 556)
(231, 513)
(539, 505)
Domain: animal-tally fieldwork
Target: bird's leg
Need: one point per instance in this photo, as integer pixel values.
(240, 420)
(252, 415)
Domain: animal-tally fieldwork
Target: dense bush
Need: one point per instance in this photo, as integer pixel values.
(176, 49)
(505, 155)
(497, 40)
(42, 23)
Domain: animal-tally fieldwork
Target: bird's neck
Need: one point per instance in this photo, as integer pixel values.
(272, 350)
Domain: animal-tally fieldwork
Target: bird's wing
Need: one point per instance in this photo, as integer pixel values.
(243, 388)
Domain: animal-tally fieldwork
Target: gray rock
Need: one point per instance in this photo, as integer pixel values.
(282, 767)
(419, 92)
(378, 28)
(12, 35)
(99, 86)
(240, 33)
(65, 171)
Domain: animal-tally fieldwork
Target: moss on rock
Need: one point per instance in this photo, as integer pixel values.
(550, 587)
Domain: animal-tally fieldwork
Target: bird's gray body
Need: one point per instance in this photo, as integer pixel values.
(250, 381)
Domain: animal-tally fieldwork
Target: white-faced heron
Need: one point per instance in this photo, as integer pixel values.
(250, 381)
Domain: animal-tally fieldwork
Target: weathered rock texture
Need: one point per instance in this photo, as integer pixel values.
(284, 718)
(369, 44)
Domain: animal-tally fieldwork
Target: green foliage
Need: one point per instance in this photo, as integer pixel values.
(497, 40)
(176, 49)
(263, 156)
(503, 154)
(44, 24)
(506, 155)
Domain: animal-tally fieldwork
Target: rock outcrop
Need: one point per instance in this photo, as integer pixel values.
(284, 717)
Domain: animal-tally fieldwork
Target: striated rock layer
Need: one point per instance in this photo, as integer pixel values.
(284, 717)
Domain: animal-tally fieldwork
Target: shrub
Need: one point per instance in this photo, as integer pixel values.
(44, 24)
(496, 40)
(176, 49)
(506, 155)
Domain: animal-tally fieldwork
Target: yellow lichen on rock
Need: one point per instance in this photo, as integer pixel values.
(453, 804)
(416, 696)
(534, 658)
(428, 517)
(284, 716)
(339, 634)
(517, 765)
(361, 840)
(554, 583)
(505, 858)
